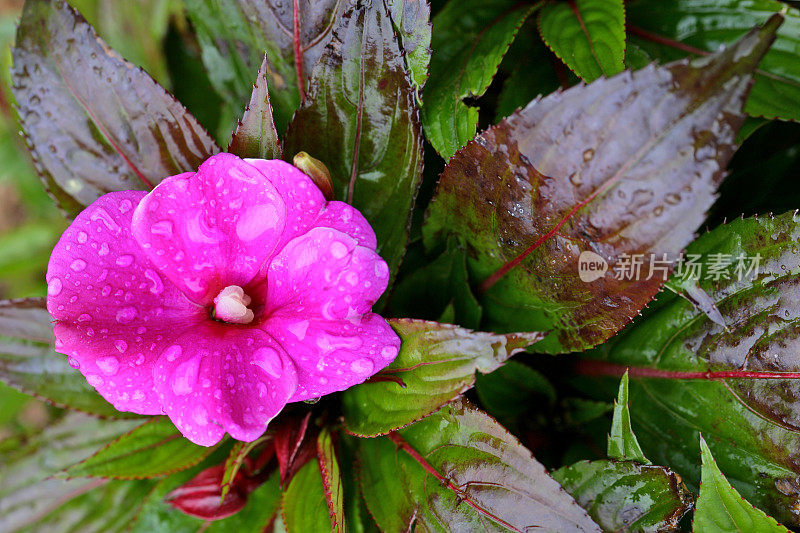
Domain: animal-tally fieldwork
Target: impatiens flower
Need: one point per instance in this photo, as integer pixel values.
(220, 296)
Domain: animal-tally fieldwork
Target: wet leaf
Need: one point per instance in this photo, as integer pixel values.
(720, 509)
(470, 40)
(153, 449)
(665, 29)
(304, 507)
(255, 136)
(622, 443)
(234, 35)
(427, 292)
(436, 363)
(412, 23)
(627, 496)
(361, 90)
(740, 385)
(94, 122)
(27, 489)
(331, 480)
(626, 165)
(460, 468)
(587, 35)
(29, 364)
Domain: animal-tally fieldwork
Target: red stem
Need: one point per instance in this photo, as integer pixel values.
(298, 52)
(653, 37)
(591, 367)
(402, 444)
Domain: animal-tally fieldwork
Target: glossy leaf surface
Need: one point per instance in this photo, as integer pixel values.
(412, 23)
(436, 363)
(627, 496)
(27, 489)
(721, 509)
(29, 364)
(458, 470)
(622, 443)
(154, 448)
(746, 408)
(470, 40)
(626, 165)
(587, 35)
(94, 122)
(255, 136)
(666, 29)
(304, 507)
(361, 91)
(234, 35)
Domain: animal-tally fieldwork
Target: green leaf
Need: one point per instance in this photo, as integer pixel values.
(436, 363)
(736, 383)
(666, 29)
(512, 390)
(627, 496)
(256, 136)
(331, 480)
(234, 34)
(412, 23)
(153, 449)
(587, 35)
(27, 489)
(602, 170)
(470, 40)
(720, 509)
(236, 457)
(428, 292)
(360, 89)
(622, 443)
(94, 122)
(459, 470)
(29, 364)
(304, 506)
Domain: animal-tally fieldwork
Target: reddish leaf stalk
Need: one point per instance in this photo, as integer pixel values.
(659, 39)
(589, 367)
(298, 52)
(402, 444)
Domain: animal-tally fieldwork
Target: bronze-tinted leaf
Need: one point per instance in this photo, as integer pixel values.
(94, 122)
(361, 120)
(255, 135)
(623, 166)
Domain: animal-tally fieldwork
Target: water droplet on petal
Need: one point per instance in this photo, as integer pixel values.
(84, 317)
(362, 366)
(200, 415)
(172, 353)
(389, 352)
(338, 250)
(54, 287)
(73, 362)
(121, 345)
(163, 227)
(124, 260)
(255, 221)
(268, 360)
(126, 314)
(78, 265)
(82, 237)
(103, 251)
(102, 215)
(94, 380)
(138, 396)
(298, 329)
(185, 377)
(125, 206)
(381, 270)
(108, 365)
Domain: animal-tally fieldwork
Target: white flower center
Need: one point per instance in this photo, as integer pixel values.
(231, 306)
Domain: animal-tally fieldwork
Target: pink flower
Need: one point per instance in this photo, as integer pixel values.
(219, 297)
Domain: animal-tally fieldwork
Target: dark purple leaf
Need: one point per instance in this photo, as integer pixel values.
(623, 166)
(94, 122)
(360, 119)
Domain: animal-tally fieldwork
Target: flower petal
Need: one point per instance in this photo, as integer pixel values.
(331, 356)
(111, 305)
(325, 274)
(212, 229)
(308, 207)
(222, 378)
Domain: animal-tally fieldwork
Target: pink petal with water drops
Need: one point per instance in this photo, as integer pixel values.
(325, 274)
(221, 378)
(302, 197)
(345, 218)
(331, 356)
(111, 305)
(213, 229)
